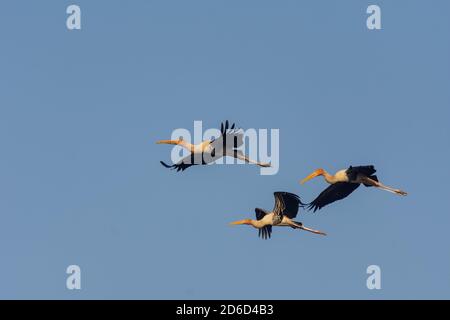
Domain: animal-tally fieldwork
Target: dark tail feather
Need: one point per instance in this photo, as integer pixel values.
(374, 177)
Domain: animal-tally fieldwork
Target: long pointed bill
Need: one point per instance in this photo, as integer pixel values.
(313, 231)
(316, 173)
(236, 223)
(167, 142)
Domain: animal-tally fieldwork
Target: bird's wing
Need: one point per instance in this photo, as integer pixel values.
(230, 137)
(333, 193)
(260, 213)
(352, 172)
(178, 167)
(265, 232)
(286, 204)
(187, 162)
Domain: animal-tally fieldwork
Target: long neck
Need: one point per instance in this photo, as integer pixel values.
(195, 148)
(186, 145)
(340, 176)
(257, 223)
(329, 178)
(205, 144)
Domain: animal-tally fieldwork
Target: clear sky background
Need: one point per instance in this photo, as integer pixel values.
(81, 183)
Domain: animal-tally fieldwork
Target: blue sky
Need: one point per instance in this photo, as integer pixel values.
(81, 182)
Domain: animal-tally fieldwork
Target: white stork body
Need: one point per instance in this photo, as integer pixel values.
(268, 220)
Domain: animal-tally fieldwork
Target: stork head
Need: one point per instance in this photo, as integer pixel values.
(176, 142)
(318, 172)
(245, 221)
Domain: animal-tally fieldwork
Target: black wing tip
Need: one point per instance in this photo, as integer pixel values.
(293, 195)
(177, 167)
(264, 234)
(285, 193)
(313, 207)
(225, 126)
(166, 165)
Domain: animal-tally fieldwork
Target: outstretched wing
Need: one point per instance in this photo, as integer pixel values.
(334, 192)
(286, 204)
(231, 138)
(187, 162)
(266, 231)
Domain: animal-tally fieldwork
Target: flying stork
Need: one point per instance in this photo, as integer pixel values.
(209, 151)
(344, 182)
(285, 210)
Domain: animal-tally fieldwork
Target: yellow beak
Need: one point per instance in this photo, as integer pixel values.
(167, 142)
(316, 173)
(236, 223)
